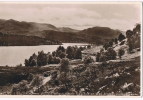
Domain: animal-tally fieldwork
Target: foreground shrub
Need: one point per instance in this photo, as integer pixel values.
(70, 52)
(88, 60)
(111, 54)
(62, 55)
(64, 65)
(98, 57)
(20, 88)
(130, 43)
(78, 54)
(37, 81)
(121, 52)
(103, 57)
(56, 60)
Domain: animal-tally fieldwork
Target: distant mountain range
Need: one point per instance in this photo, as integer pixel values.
(49, 32)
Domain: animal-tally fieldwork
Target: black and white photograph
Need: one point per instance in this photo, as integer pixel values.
(70, 48)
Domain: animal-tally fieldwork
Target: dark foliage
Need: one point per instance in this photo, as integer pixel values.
(70, 52)
(88, 60)
(116, 41)
(121, 52)
(121, 37)
(129, 33)
(78, 54)
(42, 59)
(64, 65)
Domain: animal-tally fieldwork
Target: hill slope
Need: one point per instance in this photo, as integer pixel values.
(97, 35)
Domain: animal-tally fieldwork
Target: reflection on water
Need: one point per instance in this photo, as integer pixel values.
(14, 55)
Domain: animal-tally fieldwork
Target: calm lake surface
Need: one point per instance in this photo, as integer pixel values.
(15, 55)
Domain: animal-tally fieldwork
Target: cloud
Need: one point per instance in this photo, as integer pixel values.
(78, 16)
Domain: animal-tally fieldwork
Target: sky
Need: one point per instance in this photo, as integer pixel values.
(120, 16)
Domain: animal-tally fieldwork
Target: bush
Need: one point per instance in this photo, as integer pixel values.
(101, 50)
(121, 52)
(111, 54)
(82, 48)
(88, 46)
(137, 41)
(54, 53)
(70, 52)
(64, 65)
(42, 59)
(88, 60)
(37, 81)
(47, 73)
(122, 43)
(130, 44)
(116, 41)
(26, 62)
(78, 54)
(137, 29)
(50, 59)
(97, 57)
(32, 61)
(106, 46)
(62, 55)
(56, 60)
(20, 88)
(129, 33)
(62, 77)
(103, 58)
(30, 77)
(121, 37)
(54, 74)
(111, 43)
(61, 48)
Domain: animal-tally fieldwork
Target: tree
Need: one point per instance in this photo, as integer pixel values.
(56, 60)
(54, 53)
(78, 54)
(88, 60)
(111, 43)
(101, 50)
(26, 62)
(111, 54)
(116, 41)
(106, 46)
(81, 48)
(61, 48)
(129, 33)
(42, 58)
(137, 29)
(64, 65)
(70, 52)
(97, 57)
(32, 61)
(88, 46)
(121, 37)
(131, 43)
(121, 52)
(102, 58)
(62, 55)
(50, 59)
